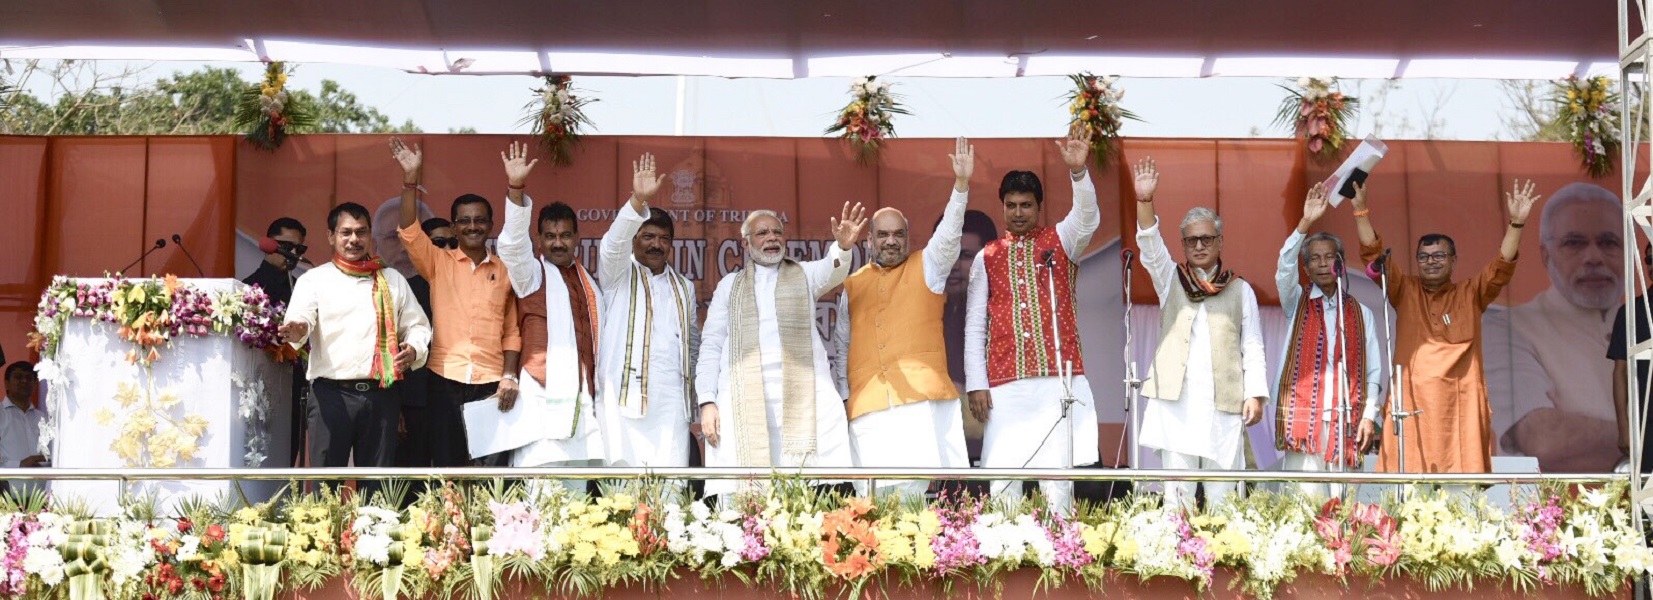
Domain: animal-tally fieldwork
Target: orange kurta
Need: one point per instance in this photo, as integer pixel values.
(1438, 345)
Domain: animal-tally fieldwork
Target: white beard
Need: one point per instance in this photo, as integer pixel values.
(760, 258)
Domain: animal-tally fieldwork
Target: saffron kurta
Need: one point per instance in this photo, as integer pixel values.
(1438, 346)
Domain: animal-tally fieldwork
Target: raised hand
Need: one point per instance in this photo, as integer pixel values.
(1359, 201)
(1076, 149)
(412, 159)
(517, 165)
(644, 183)
(964, 161)
(1146, 175)
(1520, 201)
(1314, 206)
(848, 226)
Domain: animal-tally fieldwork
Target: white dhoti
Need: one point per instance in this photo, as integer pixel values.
(1309, 463)
(917, 435)
(1023, 412)
(832, 447)
(1191, 434)
(582, 449)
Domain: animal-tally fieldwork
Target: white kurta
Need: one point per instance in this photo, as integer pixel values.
(661, 437)
(920, 434)
(1024, 410)
(716, 362)
(1192, 424)
(527, 274)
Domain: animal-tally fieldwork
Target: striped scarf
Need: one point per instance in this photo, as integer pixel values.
(1199, 288)
(1301, 418)
(385, 343)
(794, 315)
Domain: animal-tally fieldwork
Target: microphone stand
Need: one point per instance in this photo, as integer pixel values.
(159, 244)
(1397, 387)
(1064, 369)
(1133, 385)
(1343, 395)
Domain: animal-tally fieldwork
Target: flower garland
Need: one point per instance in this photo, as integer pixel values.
(558, 118)
(268, 113)
(807, 545)
(1318, 113)
(1093, 106)
(1589, 109)
(868, 119)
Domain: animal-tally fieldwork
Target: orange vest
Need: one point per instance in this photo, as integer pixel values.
(897, 350)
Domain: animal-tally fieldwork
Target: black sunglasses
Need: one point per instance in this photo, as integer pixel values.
(445, 242)
(296, 249)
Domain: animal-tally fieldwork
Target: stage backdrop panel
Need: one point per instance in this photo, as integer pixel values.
(93, 204)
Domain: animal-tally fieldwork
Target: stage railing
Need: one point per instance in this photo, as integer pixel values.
(815, 473)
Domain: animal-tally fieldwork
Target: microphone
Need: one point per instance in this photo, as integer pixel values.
(179, 240)
(159, 243)
(269, 246)
(1379, 266)
(1048, 259)
(1127, 257)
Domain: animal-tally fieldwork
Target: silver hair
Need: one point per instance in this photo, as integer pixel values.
(746, 226)
(1570, 194)
(1320, 236)
(1201, 213)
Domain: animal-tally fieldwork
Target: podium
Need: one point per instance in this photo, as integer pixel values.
(208, 376)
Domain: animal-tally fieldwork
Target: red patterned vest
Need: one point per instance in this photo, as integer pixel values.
(1019, 345)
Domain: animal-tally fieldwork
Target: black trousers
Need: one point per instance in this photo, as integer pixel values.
(413, 445)
(447, 423)
(353, 418)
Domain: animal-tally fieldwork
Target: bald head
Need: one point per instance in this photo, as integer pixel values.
(889, 237)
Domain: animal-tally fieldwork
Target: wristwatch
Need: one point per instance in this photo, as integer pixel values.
(510, 378)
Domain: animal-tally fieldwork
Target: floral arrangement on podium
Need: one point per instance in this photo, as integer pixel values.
(1317, 113)
(1093, 108)
(811, 545)
(868, 119)
(151, 313)
(268, 114)
(1589, 110)
(558, 118)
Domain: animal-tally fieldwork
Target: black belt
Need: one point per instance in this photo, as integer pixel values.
(360, 385)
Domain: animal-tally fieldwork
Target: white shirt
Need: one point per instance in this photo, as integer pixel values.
(938, 256)
(19, 433)
(1167, 423)
(1285, 280)
(1074, 231)
(338, 309)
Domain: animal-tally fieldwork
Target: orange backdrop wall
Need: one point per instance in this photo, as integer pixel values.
(84, 206)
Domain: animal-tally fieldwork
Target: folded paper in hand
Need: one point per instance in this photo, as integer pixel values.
(1356, 168)
(489, 431)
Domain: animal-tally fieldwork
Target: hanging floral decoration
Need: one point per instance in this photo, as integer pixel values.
(1318, 113)
(558, 118)
(1589, 109)
(868, 119)
(1093, 106)
(268, 113)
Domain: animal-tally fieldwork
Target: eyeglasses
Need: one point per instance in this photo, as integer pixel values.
(297, 249)
(1438, 257)
(1201, 241)
(445, 242)
(472, 221)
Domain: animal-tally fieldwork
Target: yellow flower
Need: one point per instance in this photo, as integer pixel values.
(413, 556)
(230, 557)
(1200, 521)
(247, 515)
